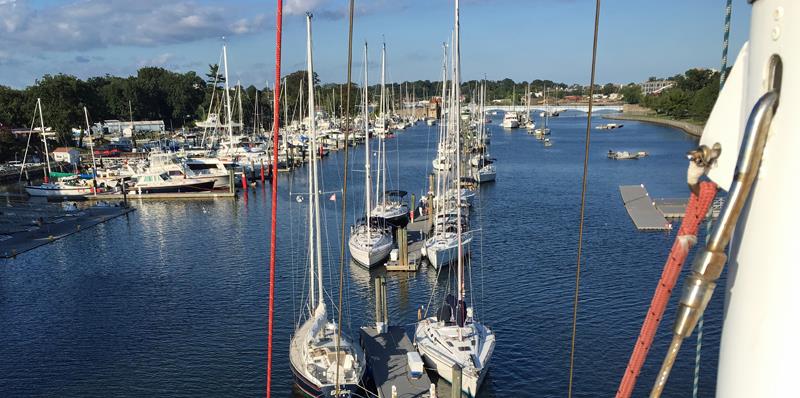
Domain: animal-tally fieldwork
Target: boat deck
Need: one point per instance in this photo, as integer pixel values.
(26, 226)
(386, 359)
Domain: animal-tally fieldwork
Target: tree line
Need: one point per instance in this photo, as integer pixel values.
(691, 97)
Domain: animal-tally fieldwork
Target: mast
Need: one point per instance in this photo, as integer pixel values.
(367, 172)
(382, 153)
(91, 148)
(239, 100)
(442, 128)
(457, 131)
(44, 139)
(227, 94)
(314, 155)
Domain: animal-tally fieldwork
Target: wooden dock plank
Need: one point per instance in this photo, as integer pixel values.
(386, 357)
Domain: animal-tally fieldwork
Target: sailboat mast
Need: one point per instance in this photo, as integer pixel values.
(44, 138)
(227, 93)
(239, 100)
(457, 131)
(384, 105)
(314, 156)
(367, 171)
(442, 127)
(91, 148)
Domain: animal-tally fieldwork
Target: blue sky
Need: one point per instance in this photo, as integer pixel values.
(520, 39)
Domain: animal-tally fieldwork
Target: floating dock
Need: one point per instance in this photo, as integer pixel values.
(161, 196)
(26, 226)
(642, 209)
(387, 360)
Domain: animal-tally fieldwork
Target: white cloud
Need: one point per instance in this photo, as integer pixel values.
(298, 7)
(90, 24)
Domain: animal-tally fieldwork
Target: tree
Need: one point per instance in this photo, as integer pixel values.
(609, 88)
(631, 93)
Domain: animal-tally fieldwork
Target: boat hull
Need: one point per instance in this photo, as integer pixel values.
(196, 187)
(369, 258)
(63, 191)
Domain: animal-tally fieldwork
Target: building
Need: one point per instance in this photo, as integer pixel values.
(124, 128)
(433, 110)
(66, 154)
(655, 86)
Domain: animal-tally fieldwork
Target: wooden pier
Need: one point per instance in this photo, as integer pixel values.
(26, 226)
(412, 238)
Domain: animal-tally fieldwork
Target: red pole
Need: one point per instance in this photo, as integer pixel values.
(262, 171)
(244, 180)
(276, 97)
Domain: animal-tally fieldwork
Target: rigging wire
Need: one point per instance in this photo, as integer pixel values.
(723, 75)
(273, 223)
(583, 201)
(344, 186)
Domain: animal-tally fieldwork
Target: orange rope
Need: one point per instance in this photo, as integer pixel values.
(696, 210)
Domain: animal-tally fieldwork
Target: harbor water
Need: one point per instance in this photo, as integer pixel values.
(171, 300)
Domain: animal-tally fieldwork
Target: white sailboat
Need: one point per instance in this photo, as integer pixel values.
(453, 337)
(370, 243)
(389, 207)
(70, 186)
(321, 367)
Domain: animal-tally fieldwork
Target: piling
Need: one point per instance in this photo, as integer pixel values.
(262, 171)
(456, 391)
(379, 325)
(252, 171)
(244, 180)
(124, 193)
(432, 391)
(413, 206)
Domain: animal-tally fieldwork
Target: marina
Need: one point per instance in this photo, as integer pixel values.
(183, 233)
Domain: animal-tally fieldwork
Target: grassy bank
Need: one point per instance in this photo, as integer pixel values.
(693, 129)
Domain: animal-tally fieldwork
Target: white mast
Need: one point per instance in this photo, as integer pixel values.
(442, 128)
(368, 177)
(227, 93)
(239, 100)
(457, 131)
(314, 155)
(382, 143)
(44, 138)
(91, 148)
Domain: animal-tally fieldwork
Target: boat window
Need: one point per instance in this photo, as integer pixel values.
(164, 176)
(466, 348)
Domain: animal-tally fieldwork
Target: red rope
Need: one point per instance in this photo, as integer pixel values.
(276, 95)
(696, 210)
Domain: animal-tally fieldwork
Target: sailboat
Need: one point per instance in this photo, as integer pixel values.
(68, 186)
(370, 242)
(544, 130)
(485, 170)
(453, 337)
(529, 124)
(320, 366)
(390, 207)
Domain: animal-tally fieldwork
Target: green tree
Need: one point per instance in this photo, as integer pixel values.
(631, 93)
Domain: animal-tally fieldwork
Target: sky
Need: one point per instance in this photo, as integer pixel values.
(518, 39)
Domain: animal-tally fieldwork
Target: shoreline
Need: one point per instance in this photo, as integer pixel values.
(691, 129)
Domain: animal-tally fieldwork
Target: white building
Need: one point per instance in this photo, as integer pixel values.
(66, 154)
(117, 126)
(655, 86)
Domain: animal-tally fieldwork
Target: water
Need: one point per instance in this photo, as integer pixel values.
(172, 299)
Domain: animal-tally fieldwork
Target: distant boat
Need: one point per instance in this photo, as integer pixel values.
(625, 155)
(608, 126)
(510, 120)
(548, 143)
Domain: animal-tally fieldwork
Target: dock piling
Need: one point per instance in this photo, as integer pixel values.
(232, 176)
(456, 392)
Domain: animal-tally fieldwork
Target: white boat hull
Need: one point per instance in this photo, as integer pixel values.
(40, 191)
(369, 257)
